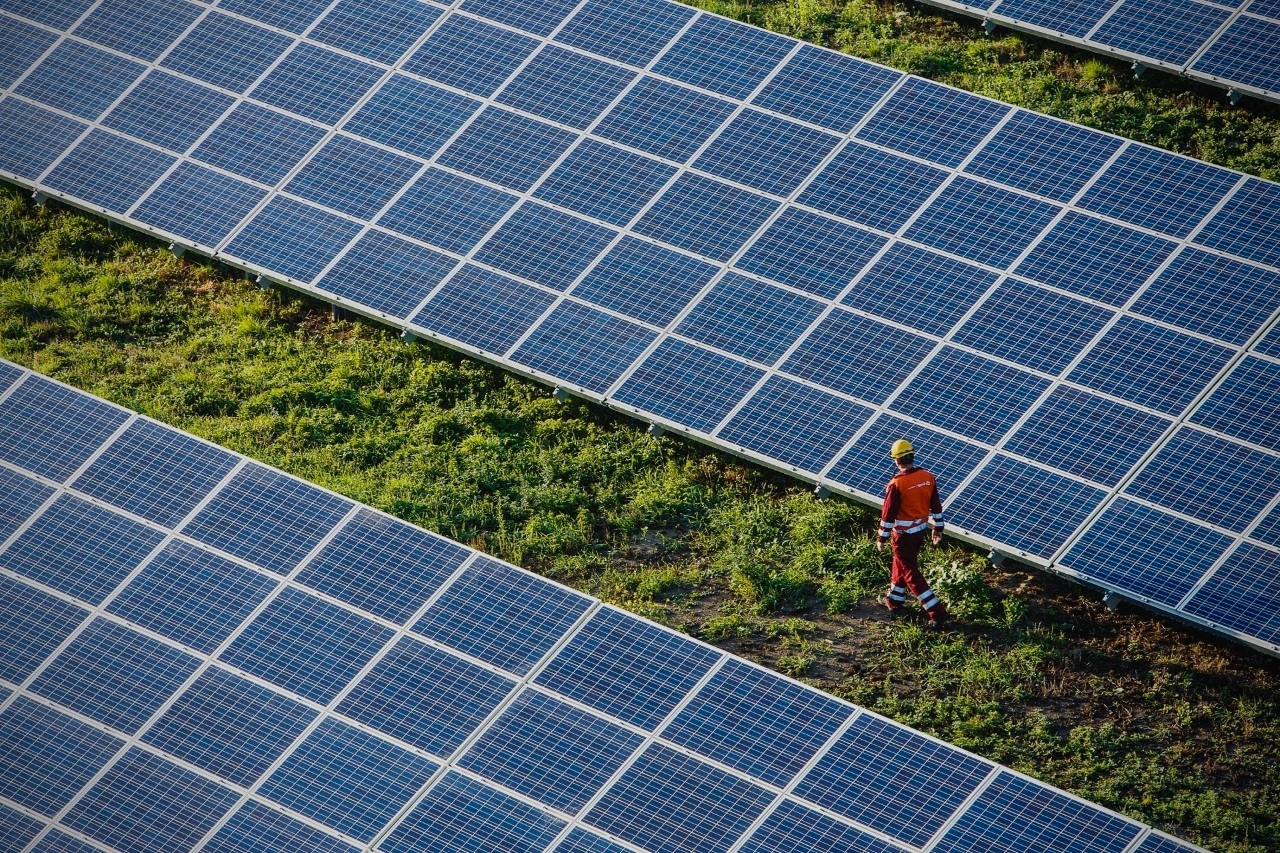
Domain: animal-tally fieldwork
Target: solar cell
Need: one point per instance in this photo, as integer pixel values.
(793, 827)
(316, 83)
(1076, 19)
(858, 356)
(688, 384)
(604, 182)
(1158, 190)
(644, 280)
(1246, 404)
(387, 273)
(536, 16)
(61, 842)
(581, 841)
(668, 802)
(61, 15)
(981, 222)
(933, 122)
(198, 204)
(470, 55)
(484, 309)
(565, 87)
(51, 430)
(723, 56)
(1248, 224)
(750, 318)
(506, 148)
(31, 138)
(20, 497)
(1166, 30)
(1249, 574)
(866, 465)
(1156, 843)
(1212, 295)
(872, 187)
(1269, 8)
(17, 827)
(705, 216)
(1042, 155)
(411, 115)
(381, 30)
(826, 88)
(255, 827)
(80, 79)
(663, 119)
(32, 625)
(544, 245)
(799, 425)
(108, 171)
(292, 15)
(630, 31)
(20, 45)
(352, 177)
(583, 346)
(260, 144)
(226, 51)
(1245, 53)
(291, 238)
(811, 252)
(46, 757)
(766, 152)
(1269, 343)
(141, 28)
(449, 211)
(919, 288)
(9, 374)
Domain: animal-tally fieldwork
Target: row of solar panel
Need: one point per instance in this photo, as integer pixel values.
(1233, 43)
(334, 699)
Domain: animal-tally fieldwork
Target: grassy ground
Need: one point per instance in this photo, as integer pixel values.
(1132, 711)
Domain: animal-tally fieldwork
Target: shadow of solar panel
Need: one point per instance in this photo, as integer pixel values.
(426, 697)
(872, 187)
(144, 803)
(20, 497)
(507, 149)
(664, 119)
(470, 55)
(316, 83)
(1246, 403)
(191, 596)
(306, 645)
(52, 430)
(255, 827)
(1150, 365)
(80, 79)
(1159, 190)
(892, 779)
(866, 465)
(608, 665)
(226, 52)
(604, 182)
(825, 88)
(811, 252)
(448, 211)
(581, 841)
(565, 87)
(61, 842)
(484, 309)
(1075, 19)
(981, 222)
(411, 115)
(705, 216)
(258, 143)
(919, 288)
(644, 280)
(108, 171)
(381, 30)
(32, 625)
(745, 717)
(292, 15)
(583, 346)
(457, 811)
(545, 246)
(115, 676)
(858, 356)
(750, 318)
(765, 152)
(1043, 155)
(723, 56)
(60, 15)
(31, 138)
(387, 273)
(794, 423)
(292, 239)
(350, 780)
(1165, 30)
(229, 726)
(198, 205)
(630, 31)
(267, 518)
(550, 751)
(352, 177)
(1162, 564)
(970, 395)
(20, 45)
(793, 827)
(46, 757)
(1248, 224)
(933, 122)
(1017, 814)
(668, 802)
(1212, 295)
(1249, 574)
(141, 28)
(688, 384)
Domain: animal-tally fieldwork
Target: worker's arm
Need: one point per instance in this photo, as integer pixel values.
(889, 513)
(935, 514)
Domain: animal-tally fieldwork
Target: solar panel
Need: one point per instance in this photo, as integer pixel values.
(785, 252)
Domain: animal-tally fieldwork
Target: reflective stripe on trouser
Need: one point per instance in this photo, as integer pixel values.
(929, 599)
(898, 594)
(906, 568)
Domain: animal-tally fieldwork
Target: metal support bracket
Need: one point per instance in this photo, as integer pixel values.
(657, 430)
(408, 337)
(1234, 96)
(821, 492)
(264, 283)
(989, 26)
(1138, 69)
(560, 395)
(178, 251)
(996, 559)
(39, 198)
(1112, 600)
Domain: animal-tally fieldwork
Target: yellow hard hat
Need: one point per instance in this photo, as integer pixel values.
(901, 448)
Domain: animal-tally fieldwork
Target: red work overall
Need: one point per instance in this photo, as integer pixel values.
(911, 503)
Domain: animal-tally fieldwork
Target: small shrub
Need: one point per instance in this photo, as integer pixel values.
(730, 626)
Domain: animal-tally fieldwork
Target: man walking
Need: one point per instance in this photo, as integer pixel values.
(910, 499)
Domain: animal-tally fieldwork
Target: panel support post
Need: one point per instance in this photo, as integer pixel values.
(657, 430)
(821, 492)
(39, 198)
(178, 251)
(408, 337)
(989, 26)
(1234, 96)
(1138, 69)
(996, 559)
(1112, 600)
(560, 395)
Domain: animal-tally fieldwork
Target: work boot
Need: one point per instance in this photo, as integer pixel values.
(938, 616)
(891, 605)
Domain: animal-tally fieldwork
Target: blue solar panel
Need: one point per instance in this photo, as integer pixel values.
(1075, 19)
(1032, 509)
(1034, 327)
(426, 697)
(448, 211)
(1269, 8)
(550, 751)
(801, 426)
(507, 149)
(387, 273)
(1250, 574)
(1043, 155)
(32, 625)
(60, 15)
(141, 28)
(256, 827)
(1145, 551)
(688, 384)
(705, 216)
(20, 45)
(46, 757)
(9, 374)
(872, 187)
(1157, 843)
(565, 87)
(723, 56)
(1166, 30)
(811, 252)
(1016, 814)
(981, 222)
(609, 665)
(484, 309)
(668, 802)
(1212, 295)
(60, 842)
(970, 395)
(932, 121)
(470, 55)
(745, 717)
(1268, 529)
(80, 79)
(892, 779)
(583, 346)
(645, 281)
(544, 245)
(1245, 53)
(1269, 343)
(858, 356)
(463, 815)
(1248, 224)
(581, 841)
(765, 152)
(631, 31)
(352, 177)
(413, 116)
(1095, 258)
(605, 182)
(317, 83)
(18, 828)
(920, 289)
(750, 318)
(1123, 363)
(382, 566)
(292, 15)
(306, 645)
(1246, 404)
(20, 497)
(823, 87)
(114, 675)
(867, 465)
(1158, 190)
(1087, 435)
(108, 171)
(663, 119)
(144, 804)
(52, 430)
(258, 143)
(381, 30)
(350, 780)
(792, 827)
(292, 239)
(226, 52)
(535, 16)
(81, 549)
(267, 518)
(192, 596)
(31, 138)
(199, 205)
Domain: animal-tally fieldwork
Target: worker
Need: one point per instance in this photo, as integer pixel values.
(910, 499)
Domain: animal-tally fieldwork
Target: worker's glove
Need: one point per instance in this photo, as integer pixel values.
(937, 537)
(880, 544)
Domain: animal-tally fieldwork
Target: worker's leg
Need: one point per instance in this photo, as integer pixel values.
(906, 572)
